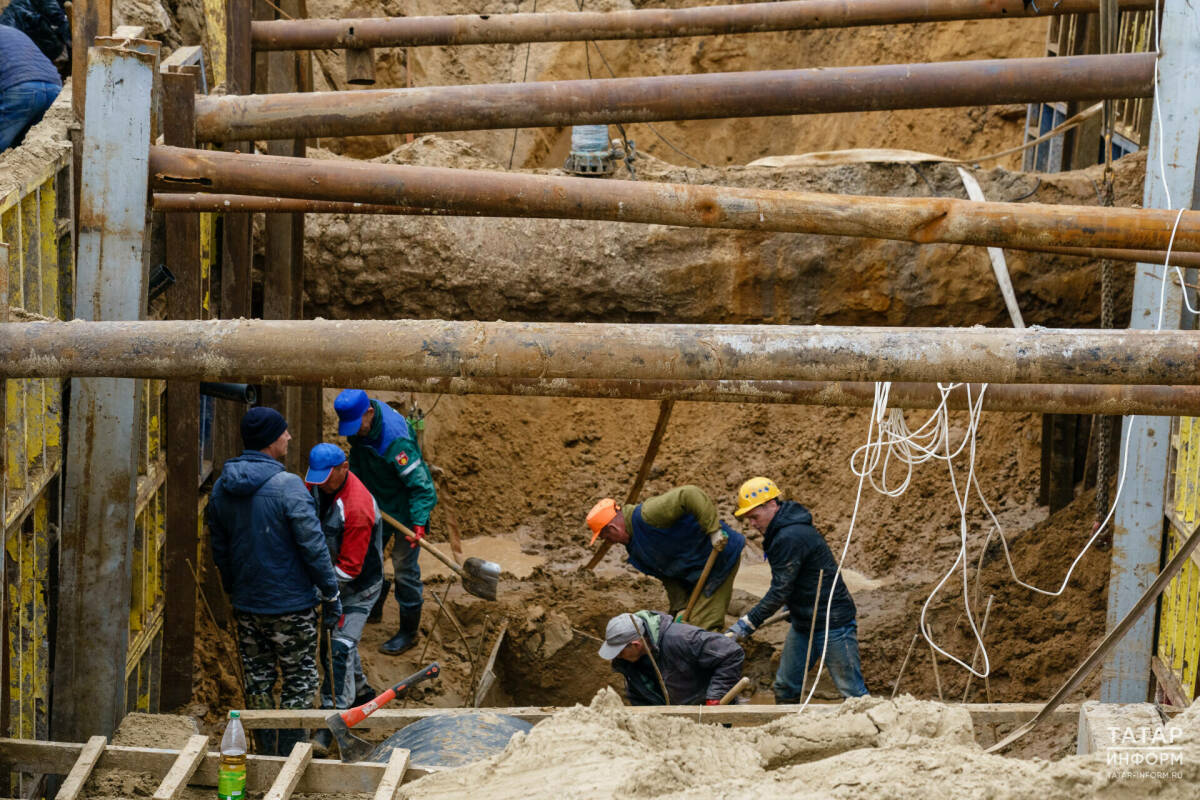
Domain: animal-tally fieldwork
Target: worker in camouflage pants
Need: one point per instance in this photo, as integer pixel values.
(268, 546)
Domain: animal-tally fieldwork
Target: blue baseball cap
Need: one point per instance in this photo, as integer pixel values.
(350, 406)
(321, 461)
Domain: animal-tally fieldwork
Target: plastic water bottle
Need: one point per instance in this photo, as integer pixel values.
(231, 774)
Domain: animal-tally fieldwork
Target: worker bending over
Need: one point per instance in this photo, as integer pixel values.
(670, 537)
(354, 534)
(799, 558)
(268, 546)
(697, 667)
(384, 455)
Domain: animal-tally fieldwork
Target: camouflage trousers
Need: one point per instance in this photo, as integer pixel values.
(279, 646)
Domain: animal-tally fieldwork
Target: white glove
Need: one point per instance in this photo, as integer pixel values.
(718, 540)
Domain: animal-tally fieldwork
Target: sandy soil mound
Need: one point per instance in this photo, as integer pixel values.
(867, 748)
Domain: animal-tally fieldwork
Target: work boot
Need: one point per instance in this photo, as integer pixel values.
(321, 740)
(365, 695)
(289, 738)
(376, 614)
(406, 638)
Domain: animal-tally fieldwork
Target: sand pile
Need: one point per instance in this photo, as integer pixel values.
(913, 748)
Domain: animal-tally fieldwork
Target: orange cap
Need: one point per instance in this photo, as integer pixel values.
(601, 514)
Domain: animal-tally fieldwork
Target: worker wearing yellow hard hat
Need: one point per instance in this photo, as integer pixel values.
(800, 563)
(671, 537)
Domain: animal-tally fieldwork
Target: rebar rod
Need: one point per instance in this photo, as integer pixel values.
(369, 353)
(913, 219)
(673, 97)
(574, 26)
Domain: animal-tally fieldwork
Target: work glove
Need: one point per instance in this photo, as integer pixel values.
(740, 629)
(711, 702)
(418, 535)
(718, 540)
(331, 612)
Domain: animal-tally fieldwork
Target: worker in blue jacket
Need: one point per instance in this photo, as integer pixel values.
(800, 559)
(28, 85)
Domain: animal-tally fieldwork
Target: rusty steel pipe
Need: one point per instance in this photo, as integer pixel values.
(672, 97)
(178, 203)
(658, 23)
(1042, 398)
(914, 219)
(369, 353)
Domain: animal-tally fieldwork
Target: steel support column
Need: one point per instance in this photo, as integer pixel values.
(101, 461)
(314, 351)
(1138, 521)
(647, 23)
(673, 97)
(914, 219)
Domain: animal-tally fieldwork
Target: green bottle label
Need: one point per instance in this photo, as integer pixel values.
(231, 784)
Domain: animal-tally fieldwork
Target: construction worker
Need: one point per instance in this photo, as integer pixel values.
(670, 537)
(697, 667)
(385, 457)
(354, 535)
(800, 558)
(268, 545)
(29, 83)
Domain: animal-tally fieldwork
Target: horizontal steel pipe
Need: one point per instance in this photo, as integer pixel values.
(646, 23)
(179, 203)
(1043, 398)
(672, 97)
(369, 353)
(501, 194)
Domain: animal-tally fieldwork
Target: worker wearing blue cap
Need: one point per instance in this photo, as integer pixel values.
(385, 457)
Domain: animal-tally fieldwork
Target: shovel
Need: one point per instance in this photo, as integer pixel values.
(351, 747)
(479, 577)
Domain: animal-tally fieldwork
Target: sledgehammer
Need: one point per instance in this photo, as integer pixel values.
(350, 746)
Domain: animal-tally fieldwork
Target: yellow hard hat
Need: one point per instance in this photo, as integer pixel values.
(754, 493)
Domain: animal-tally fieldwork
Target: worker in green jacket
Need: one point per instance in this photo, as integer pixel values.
(670, 537)
(384, 455)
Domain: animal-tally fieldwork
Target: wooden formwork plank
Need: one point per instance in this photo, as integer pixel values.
(90, 753)
(392, 719)
(393, 776)
(321, 776)
(293, 769)
(190, 758)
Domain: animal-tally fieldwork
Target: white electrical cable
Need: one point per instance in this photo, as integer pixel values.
(889, 438)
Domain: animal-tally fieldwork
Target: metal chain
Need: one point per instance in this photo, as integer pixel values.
(1105, 466)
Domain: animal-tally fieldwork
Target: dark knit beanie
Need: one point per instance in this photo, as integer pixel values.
(261, 426)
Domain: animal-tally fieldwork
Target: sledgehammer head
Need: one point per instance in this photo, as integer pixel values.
(350, 746)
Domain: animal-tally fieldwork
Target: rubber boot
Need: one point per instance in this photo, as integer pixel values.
(376, 614)
(289, 738)
(406, 638)
(321, 740)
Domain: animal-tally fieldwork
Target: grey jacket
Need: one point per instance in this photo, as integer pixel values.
(696, 664)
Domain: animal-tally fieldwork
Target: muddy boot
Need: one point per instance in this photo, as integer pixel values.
(289, 738)
(365, 695)
(410, 625)
(376, 614)
(265, 741)
(780, 700)
(321, 740)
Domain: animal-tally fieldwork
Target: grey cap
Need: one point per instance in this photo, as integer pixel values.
(621, 631)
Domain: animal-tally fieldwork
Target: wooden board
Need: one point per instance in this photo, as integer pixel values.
(82, 767)
(322, 775)
(393, 719)
(393, 776)
(190, 758)
(293, 769)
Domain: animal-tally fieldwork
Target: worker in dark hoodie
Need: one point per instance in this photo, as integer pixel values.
(800, 559)
(270, 549)
(696, 667)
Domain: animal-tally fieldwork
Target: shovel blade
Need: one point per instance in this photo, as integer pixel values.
(481, 578)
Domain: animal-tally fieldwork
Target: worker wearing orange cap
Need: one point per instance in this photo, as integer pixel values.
(670, 537)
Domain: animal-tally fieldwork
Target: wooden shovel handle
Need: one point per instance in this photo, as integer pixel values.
(699, 587)
(735, 691)
(438, 554)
